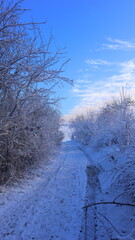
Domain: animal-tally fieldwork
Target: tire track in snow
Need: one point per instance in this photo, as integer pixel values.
(92, 190)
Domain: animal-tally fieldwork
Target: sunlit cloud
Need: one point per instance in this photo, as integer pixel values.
(117, 44)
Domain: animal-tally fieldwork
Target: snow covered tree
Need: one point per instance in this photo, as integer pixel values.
(29, 71)
(115, 123)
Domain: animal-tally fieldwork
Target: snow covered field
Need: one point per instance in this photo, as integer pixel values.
(49, 206)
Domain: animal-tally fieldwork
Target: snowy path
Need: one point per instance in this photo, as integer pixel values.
(50, 207)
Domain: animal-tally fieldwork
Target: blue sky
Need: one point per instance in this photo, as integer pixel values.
(99, 36)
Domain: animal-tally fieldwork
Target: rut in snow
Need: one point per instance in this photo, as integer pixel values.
(90, 216)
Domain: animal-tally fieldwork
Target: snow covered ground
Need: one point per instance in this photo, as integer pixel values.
(49, 205)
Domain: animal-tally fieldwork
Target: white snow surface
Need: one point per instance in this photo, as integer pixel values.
(49, 205)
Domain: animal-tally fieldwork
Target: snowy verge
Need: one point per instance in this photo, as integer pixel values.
(115, 174)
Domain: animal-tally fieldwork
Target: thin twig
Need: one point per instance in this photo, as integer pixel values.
(101, 222)
(120, 195)
(116, 203)
(109, 222)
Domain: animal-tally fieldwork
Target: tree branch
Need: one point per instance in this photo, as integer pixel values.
(116, 203)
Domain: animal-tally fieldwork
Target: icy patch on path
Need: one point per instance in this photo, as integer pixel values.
(52, 207)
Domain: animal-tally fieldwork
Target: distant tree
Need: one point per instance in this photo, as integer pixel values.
(84, 127)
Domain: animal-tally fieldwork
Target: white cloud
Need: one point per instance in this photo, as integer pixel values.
(117, 44)
(97, 62)
(82, 81)
(128, 67)
(76, 90)
(126, 73)
(91, 94)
